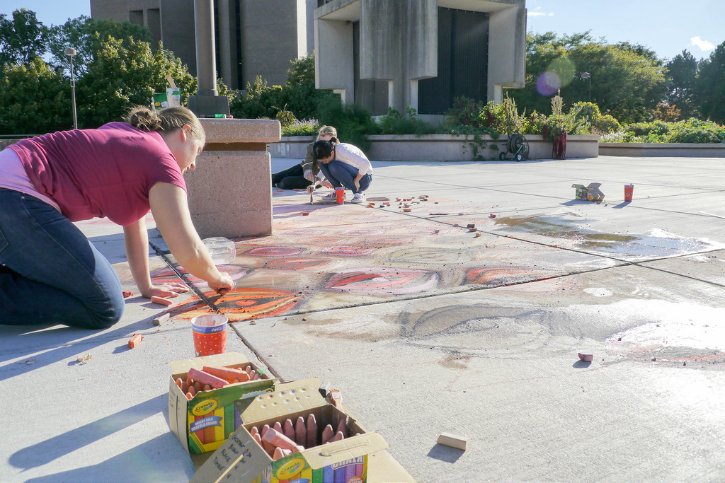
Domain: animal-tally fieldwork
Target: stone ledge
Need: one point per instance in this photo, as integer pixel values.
(679, 150)
(227, 131)
(441, 147)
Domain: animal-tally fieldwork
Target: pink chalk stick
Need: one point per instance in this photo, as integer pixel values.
(327, 433)
(342, 426)
(279, 440)
(300, 431)
(311, 431)
(206, 378)
(289, 429)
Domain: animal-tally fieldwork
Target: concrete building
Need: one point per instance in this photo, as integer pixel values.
(252, 37)
(419, 53)
(375, 53)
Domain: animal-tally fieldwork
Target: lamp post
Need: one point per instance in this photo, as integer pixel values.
(588, 76)
(71, 52)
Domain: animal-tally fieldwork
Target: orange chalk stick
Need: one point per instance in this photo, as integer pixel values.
(161, 300)
(205, 378)
(134, 341)
(229, 374)
(280, 453)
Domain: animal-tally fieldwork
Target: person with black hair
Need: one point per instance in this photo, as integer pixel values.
(307, 173)
(344, 165)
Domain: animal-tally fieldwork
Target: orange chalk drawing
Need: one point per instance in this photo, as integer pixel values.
(381, 281)
(243, 304)
(497, 276)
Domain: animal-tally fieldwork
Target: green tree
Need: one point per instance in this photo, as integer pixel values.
(711, 86)
(627, 81)
(302, 97)
(35, 99)
(298, 95)
(22, 38)
(86, 35)
(681, 79)
(126, 73)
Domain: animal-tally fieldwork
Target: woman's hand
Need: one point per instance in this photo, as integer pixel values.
(223, 284)
(326, 184)
(166, 290)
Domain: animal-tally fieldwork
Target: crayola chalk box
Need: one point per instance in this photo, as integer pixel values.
(204, 422)
(241, 458)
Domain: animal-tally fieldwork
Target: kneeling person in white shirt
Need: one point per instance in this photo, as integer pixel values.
(344, 165)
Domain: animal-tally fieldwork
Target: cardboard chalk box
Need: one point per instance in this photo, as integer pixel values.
(241, 458)
(203, 423)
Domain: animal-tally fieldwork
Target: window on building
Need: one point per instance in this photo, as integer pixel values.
(462, 61)
(135, 17)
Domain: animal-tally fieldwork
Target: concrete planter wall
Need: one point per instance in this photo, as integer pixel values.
(687, 150)
(441, 147)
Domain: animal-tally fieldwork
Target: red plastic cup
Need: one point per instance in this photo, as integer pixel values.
(210, 334)
(340, 195)
(628, 192)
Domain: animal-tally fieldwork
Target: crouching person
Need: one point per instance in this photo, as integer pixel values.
(344, 165)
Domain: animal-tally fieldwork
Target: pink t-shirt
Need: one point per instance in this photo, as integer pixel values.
(107, 171)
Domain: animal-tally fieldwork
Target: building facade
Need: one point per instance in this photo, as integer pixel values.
(375, 53)
(419, 53)
(252, 37)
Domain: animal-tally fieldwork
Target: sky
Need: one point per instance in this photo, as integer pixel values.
(666, 26)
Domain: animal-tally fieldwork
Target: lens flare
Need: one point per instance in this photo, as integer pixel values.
(548, 83)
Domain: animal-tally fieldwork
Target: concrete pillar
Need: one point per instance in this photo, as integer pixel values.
(334, 67)
(398, 43)
(205, 51)
(506, 50)
(413, 95)
(227, 44)
(230, 193)
(206, 103)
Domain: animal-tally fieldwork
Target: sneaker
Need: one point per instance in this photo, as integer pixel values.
(329, 198)
(358, 198)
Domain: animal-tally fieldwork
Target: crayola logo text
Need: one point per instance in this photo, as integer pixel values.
(204, 407)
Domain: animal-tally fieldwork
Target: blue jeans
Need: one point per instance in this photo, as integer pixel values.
(342, 174)
(49, 272)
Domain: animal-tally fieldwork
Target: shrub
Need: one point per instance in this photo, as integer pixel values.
(307, 127)
(688, 131)
(285, 117)
(696, 131)
(589, 119)
(468, 112)
(353, 123)
(396, 123)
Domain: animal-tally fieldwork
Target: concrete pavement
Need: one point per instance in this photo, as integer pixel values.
(429, 327)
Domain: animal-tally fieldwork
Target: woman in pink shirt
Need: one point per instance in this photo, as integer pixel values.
(49, 272)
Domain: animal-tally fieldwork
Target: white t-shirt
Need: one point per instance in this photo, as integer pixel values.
(352, 155)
